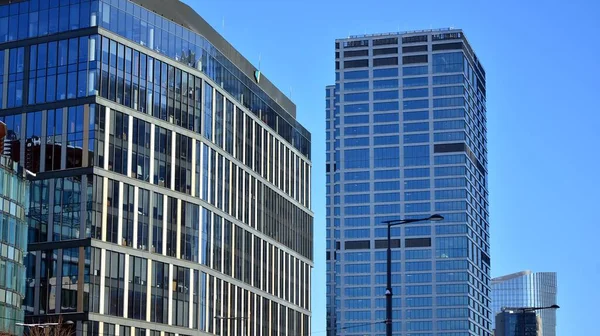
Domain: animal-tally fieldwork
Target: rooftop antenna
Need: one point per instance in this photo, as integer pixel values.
(223, 24)
(290, 92)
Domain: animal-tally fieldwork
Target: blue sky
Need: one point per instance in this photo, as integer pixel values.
(542, 65)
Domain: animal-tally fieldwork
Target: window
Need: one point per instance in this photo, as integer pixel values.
(416, 172)
(448, 91)
(362, 74)
(386, 128)
(448, 79)
(358, 119)
(417, 254)
(415, 104)
(450, 206)
(417, 195)
(390, 72)
(356, 64)
(411, 231)
(450, 113)
(353, 97)
(386, 140)
(450, 136)
(416, 184)
(356, 158)
(356, 142)
(387, 106)
(416, 48)
(415, 93)
(387, 197)
(416, 127)
(389, 185)
(385, 84)
(356, 86)
(377, 62)
(419, 302)
(418, 290)
(357, 176)
(386, 117)
(418, 115)
(449, 102)
(414, 59)
(416, 155)
(387, 174)
(418, 277)
(415, 70)
(417, 207)
(356, 108)
(448, 62)
(451, 247)
(358, 130)
(385, 95)
(415, 81)
(416, 138)
(450, 194)
(356, 53)
(412, 266)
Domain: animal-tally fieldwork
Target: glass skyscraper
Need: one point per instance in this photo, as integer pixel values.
(172, 194)
(13, 242)
(527, 289)
(406, 138)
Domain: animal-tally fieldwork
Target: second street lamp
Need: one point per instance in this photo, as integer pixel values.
(388, 291)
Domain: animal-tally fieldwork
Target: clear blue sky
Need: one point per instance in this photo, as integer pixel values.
(543, 69)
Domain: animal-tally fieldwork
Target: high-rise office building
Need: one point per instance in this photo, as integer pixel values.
(172, 194)
(517, 323)
(13, 243)
(406, 138)
(528, 289)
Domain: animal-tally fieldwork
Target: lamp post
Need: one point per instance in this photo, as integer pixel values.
(524, 310)
(388, 291)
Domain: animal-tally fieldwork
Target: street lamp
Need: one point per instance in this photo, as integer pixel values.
(524, 310)
(388, 291)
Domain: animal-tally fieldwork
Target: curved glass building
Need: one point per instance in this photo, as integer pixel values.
(172, 194)
(13, 245)
(527, 289)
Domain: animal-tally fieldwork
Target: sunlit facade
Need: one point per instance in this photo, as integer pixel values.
(173, 180)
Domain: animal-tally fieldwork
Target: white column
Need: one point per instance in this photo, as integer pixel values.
(120, 219)
(149, 291)
(102, 280)
(178, 243)
(173, 147)
(135, 216)
(106, 137)
(191, 300)
(152, 139)
(126, 287)
(170, 309)
(104, 205)
(164, 233)
(194, 158)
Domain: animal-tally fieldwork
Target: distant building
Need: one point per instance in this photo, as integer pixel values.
(518, 323)
(527, 289)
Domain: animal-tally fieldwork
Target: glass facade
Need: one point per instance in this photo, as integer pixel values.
(171, 189)
(13, 243)
(527, 289)
(406, 138)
